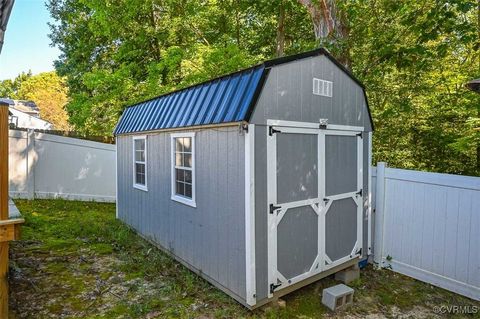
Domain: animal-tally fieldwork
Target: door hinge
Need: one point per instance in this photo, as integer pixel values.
(273, 287)
(272, 131)
(358, 252)
(360, 135)
(273, 208)
(360, 192)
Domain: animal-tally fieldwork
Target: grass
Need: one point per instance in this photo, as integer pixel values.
(75, 260)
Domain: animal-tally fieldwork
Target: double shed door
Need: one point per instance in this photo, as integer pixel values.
(315, 185)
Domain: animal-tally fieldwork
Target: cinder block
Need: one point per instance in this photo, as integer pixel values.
(348, 275)
(337, 297)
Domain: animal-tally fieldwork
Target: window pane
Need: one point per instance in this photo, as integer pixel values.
(140, 179)
(180, 188)
(188, 190)
(187, 160)
(140, 156)
(140, 145)
(179, 144)
(187, 144)
(180, 175)
(178, 159)
(188, 176)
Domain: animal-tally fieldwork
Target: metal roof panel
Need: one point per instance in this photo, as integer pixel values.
(222, 100)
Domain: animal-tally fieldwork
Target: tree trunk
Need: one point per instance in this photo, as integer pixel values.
(329, 26)
(281, 31)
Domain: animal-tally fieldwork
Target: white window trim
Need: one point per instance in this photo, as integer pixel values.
(135, 185)
(178, 198)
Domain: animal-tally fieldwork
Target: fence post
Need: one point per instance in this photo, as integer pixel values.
(3, 208)
(379, 215)
(30, 164)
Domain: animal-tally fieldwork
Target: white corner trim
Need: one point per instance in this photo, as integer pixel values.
(369, 248)
(250, 216)
(178, 198)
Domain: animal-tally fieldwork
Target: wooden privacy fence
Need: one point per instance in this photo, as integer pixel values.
(427, 226)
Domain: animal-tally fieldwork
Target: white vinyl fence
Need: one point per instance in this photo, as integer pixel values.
(51, 166)
(427, 226)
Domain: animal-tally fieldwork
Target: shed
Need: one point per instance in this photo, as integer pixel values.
(258, 180)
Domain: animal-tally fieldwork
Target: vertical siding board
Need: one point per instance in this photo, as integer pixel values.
(417, 220)
(224, 205)
(427, 231)
(451, 232)
(261, 212)
(440, 223)
(192, 234)
(463, 235)
(391, 245)
(474, 254)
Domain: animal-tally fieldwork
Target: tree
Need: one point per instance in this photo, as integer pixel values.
(414, 58)
(329, 26)
(49, 92)
(9, 88)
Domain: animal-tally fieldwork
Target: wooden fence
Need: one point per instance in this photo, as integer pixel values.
(427, 226)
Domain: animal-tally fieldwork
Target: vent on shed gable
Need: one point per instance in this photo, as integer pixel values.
(322, 87)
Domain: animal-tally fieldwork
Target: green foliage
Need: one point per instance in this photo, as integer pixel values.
(49, 92)
(9, 88)
(413, 56)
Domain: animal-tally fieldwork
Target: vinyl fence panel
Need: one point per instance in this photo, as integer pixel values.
(51, 166)
(428, 227)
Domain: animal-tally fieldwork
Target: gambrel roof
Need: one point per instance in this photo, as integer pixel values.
(226, 99)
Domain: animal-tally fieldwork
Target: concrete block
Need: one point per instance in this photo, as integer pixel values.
(337, 297)
(348, 275)
(281, 303)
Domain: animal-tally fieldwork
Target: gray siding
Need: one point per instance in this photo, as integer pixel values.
(287, 95)
(261, 213)
(209, 238)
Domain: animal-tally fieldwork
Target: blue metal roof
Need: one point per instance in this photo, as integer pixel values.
(230, 98)
(222, 100)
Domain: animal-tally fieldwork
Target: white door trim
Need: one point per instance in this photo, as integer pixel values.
(314, 125)
(250, 216)
(318, 204)
(355, 196)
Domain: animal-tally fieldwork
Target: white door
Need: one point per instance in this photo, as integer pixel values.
(301, 204)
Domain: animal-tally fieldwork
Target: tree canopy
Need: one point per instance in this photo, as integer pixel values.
(414, 58)
(47, 90)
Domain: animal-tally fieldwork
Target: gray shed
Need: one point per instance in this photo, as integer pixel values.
(259, 180)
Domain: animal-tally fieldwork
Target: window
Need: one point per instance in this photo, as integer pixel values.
(322, 87)
(183, 168)
(140, 162)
